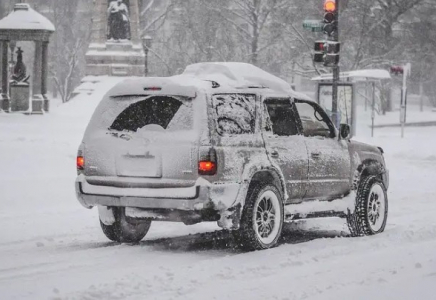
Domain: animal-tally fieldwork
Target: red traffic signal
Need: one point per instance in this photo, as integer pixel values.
(330, 5)
(397, 70)
(330, 17)
(327, 52)
(320, 46)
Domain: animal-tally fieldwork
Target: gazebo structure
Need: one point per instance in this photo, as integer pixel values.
(25, 24)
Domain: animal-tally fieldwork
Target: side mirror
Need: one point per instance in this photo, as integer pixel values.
(345, 131)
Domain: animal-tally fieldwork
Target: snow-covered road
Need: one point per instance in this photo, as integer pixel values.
(52, 248)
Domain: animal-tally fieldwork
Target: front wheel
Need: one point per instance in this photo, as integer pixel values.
(122, 231)
(262, 219)
(371, 210)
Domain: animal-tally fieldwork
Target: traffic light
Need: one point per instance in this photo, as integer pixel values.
(332, 54)
(330, 17)
(319, 55)
(327, 52)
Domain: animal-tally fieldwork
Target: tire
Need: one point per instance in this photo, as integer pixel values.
(122, 231)
(371, 211)
(262, 219)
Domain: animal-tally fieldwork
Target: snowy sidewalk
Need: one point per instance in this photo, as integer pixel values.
(414, 117)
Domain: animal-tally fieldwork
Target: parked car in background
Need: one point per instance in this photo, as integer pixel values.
(229, 143)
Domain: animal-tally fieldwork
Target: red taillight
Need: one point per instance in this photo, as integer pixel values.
(207, 161)
(80, 163)
(207, 168)
(152, 88)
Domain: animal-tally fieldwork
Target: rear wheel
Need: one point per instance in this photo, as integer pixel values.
(122, 231)
(262, 218)
(371, 211)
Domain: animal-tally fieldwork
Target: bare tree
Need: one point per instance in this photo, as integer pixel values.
(373, 42)
(65, 80)
(68, 44)
(252, 19)
(6, 7)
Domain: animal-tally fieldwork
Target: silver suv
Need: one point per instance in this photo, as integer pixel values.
(229, 143)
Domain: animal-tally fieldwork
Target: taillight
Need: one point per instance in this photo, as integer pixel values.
(80, 162)
(207, 163)
(207, 168)
(153, 88)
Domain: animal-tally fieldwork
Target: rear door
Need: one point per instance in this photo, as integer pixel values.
(285, 145)
(134, 139)
(329, 159)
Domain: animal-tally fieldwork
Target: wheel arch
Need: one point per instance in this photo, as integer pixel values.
(369, 167)
(269, 176)
(230, 219)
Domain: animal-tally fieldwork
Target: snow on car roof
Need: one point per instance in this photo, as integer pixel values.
(240, 75)
(201, 76)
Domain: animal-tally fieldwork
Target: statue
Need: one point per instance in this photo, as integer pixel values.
(118, 21)
(20, 69)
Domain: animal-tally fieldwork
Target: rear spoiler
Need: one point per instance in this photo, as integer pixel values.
(148, 87)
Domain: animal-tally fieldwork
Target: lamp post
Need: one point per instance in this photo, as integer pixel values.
(146, 44)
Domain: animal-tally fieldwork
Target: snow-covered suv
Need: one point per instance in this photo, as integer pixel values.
(224, 142)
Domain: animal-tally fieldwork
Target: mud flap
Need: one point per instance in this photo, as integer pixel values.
(231, 218)
(106, 215)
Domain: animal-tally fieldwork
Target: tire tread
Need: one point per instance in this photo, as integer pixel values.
(119, 231)
(358, 222)
(245, 235)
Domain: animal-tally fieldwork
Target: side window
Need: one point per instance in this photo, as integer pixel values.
(282, 117)
(314, 123)
(235, 113)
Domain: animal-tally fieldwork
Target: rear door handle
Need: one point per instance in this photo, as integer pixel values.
(316, 155)
(274, 154)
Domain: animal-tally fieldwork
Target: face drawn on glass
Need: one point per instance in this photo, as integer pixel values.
(235, 113)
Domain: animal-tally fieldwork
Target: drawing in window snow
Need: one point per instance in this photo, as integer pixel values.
(235, 113)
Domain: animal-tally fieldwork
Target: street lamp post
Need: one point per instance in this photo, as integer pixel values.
(146, 43)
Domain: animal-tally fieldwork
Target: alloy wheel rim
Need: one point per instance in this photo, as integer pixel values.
(267, 217)
(376, 208)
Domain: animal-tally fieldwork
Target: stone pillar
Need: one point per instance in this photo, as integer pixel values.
(44, 75)
(37, 99)
(5, 104)
(99, 22)
(134, 22)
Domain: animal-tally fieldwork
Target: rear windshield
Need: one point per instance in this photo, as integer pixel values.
(131, 114)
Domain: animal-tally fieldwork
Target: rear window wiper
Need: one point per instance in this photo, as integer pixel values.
(120, 135)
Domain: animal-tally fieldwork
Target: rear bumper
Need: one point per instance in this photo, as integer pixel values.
(195, 198)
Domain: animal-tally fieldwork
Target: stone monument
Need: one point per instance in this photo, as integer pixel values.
(115, 48)
(25, 24)
(20, 70)
(19, 85)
